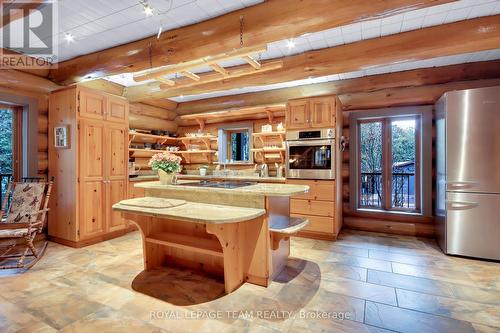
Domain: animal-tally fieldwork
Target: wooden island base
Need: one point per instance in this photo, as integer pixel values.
(240, 252)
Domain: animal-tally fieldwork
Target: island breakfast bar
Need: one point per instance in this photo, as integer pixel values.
(238, 230)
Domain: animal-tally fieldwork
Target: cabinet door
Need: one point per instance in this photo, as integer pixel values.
(92, 176)
(92, 105)
(322, 112)
(297, 114)
(116, 169)
(91, 205)
(116, 192)
(117, 110)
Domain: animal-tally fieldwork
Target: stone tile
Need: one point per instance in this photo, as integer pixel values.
(380, 265)
(56, 306)
(410, 283)
(444, 306)
(110, 321)
(325, 325)
(15, 319)
(331, 271)
(403, 320)
(434, 273)
(361, 290)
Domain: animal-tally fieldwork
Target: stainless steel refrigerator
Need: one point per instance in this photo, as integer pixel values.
(468, 172)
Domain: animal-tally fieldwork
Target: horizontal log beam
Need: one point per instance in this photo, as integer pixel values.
(152, 111)
(263, 23)
(151, 123)
(104, 85)
(444, 40)
(411, 78)
(423, 95)
(11, 78)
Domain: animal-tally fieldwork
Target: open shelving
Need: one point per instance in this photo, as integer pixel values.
(186, 242)
(150, 138)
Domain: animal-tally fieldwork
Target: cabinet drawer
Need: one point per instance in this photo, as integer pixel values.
(318, 189)
(312, 207)
(318, 223)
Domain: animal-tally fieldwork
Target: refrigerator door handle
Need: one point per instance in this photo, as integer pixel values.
(460, 185)
(461, 205)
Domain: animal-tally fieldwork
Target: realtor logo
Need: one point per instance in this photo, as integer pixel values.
(28, 34)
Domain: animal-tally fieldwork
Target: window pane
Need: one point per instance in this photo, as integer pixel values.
(240, 149)
(370, 140)
(5, 149)
(403, 163)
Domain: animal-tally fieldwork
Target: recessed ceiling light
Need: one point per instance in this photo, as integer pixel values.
(148, 10)
(290, 44)
(68, 37)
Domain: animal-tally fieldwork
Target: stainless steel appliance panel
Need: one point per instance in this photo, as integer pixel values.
(473, 225)
(473, 140)
(313, 159)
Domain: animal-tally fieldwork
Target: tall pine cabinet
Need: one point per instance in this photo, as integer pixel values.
(91, 173)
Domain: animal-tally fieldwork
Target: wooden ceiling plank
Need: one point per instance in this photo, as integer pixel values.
(411, 78)
(218, 68)
(264, 23)
(449, 39)
(252, 62)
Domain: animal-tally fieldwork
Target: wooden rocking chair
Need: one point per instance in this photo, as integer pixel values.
(24, 218)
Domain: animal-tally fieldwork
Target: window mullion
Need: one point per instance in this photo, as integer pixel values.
(387, 164)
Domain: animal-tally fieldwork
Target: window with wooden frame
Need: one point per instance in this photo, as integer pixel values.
(235, 143)
(388, 170)
(11, 141)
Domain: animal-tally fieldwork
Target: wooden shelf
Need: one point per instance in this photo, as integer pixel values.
(275, 151)
(193, 138)
(270, 150)
(144, 137)
(185, 242)
(281, 133)
(194, 151)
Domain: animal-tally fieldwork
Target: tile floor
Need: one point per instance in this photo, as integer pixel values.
(375, 282)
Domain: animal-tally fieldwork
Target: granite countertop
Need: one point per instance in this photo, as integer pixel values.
(263, 189)
(143, 178)
(194, 212)
(241, 178)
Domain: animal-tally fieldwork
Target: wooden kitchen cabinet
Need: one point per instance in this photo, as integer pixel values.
(297, 114)
(316, 112)
(93, 170)
(322, 112)
(319, 205)
(117, 110)
(91, 104)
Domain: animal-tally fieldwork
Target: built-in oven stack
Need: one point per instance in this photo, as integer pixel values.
(311, 161)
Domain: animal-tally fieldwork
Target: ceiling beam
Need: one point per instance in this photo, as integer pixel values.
(18, 80)
(406, 96)
(263, 23)
(411, 78)
(443, 40)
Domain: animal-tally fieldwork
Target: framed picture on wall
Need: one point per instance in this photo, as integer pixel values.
(61, 137)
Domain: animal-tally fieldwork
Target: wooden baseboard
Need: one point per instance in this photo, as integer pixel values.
(316, 235)
(89, 241)
(389, 227)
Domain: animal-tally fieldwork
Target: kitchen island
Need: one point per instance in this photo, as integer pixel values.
(237, 230)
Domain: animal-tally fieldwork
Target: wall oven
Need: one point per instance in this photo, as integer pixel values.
(310, 154)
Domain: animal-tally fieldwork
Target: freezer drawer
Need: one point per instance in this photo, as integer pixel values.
(473, 225)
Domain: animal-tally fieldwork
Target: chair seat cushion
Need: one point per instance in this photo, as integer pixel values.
(10, 233)
(26, 199)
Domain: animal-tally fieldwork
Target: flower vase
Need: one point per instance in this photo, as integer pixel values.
(165, 178)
